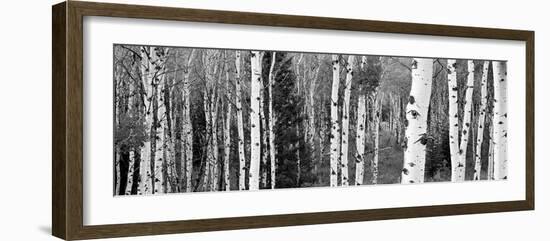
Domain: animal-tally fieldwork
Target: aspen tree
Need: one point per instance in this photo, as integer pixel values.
(187, 123)
(360, 132)
(345, 122)
(481, 121)
(271, 82)
(459, 170)
(500, 121)
(240, 128)
(416, 121)
(376, 134)
(227, 132)
(335, 123)
(255, 129)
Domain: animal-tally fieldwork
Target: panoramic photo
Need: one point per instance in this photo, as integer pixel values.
(204, 120)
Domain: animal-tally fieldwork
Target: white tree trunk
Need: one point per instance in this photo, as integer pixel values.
(344, 179)
(214, 147)
(416, 115)
(335, 123)
(453, 117)
(187, 124)
(255, 155)
(131, 173)
(490, 156)
(146, 158)
(360, 132)
(481, 121)
(240, 128)
(271, 121)
(458, 172)
(160, 154)
(500, 121)
(210, 102)
(376, 135)
(360, 141)
(227, 133)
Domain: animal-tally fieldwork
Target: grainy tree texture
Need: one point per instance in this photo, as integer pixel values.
(459, 145)
(273, 160)
(227, 131)
(206, 120)
(416, 114)
(344, 179)
(360, 132)
(240, 125)
(454, 141)
(481, 121)
(335, 122)
(255, 132)
(187, 123)
(500, 121)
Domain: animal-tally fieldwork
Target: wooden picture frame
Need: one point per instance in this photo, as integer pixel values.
(67, 120)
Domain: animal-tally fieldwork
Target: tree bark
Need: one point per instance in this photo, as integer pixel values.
(147, 158)
(454, 128)
(227, 132)
(500, 121)
(271, 121)
(458, 146)
(416, 125)
(240, 128)
(264, 129)
(360, 141)
(481, 121)
(188, 124)
(210, 102)
(335, 130)
(360, 132)
(255, 129)
(490, 156)
(160, 124)
(344, 179)
(376, 134)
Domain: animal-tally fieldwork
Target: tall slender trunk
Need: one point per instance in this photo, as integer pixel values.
(481, 121)
(188, 124)
(376, 134)
(360, 141)
(147, 158)
(168, 145)
(490, 156)
(227, 133)
(210, 102)
(131, 163)
(500, 120)
(344, 179)
(240, 128)
(271, 121)
(458, 172)
(335, 130)
(255, 129)
(160, 126)
(453, 116)
(214, 148)
(360, 132)
(416, 125)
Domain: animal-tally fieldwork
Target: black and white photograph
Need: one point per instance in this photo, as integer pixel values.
(204, 120)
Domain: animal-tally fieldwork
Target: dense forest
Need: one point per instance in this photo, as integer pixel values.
(195, 120)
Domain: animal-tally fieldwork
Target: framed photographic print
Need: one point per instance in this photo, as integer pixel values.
(171, 120)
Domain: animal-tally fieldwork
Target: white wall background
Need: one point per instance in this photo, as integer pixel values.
(25, 119)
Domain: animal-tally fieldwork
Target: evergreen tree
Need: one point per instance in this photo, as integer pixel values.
(293, 155)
